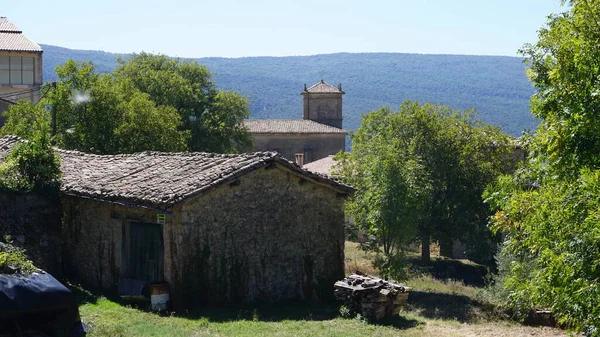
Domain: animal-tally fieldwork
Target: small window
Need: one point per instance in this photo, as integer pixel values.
(4, 70)
(15, 70)
(28, 63)
(28, 70)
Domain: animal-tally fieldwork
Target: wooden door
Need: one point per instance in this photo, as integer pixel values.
(146, 252)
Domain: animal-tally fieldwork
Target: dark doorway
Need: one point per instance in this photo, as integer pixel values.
(146, 254)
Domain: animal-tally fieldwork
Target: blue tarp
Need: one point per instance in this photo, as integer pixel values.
(37, 302)
(37, 292)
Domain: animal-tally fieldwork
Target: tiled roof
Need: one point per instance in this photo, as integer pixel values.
(7, 26)
(322, 166)
(13, 39)
(324, 87)
(159, 179)
(296, 126)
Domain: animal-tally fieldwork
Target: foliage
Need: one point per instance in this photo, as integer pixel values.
(150, 102)
(554, 234)
(495, 85)
(565, 68)
(31, 165)
(13, 259)
(389, 197)
(392, 267)
(420, 172)
(213, 117)
(548, 209)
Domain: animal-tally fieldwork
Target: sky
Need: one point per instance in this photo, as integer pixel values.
(230, 28)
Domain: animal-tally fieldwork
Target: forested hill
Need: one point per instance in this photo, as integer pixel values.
(495, 85)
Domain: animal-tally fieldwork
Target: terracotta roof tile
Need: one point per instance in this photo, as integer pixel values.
(13, 39)
(160, 179)
(295, 126)
(323, 87)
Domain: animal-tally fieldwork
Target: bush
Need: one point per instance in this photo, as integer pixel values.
(31, 165)
(13, 259)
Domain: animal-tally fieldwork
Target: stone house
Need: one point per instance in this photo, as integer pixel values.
(216, 228)
(318, 135)
(20, 64)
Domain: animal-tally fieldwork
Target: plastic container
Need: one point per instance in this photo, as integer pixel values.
(159, 296)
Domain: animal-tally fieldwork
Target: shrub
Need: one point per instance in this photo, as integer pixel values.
(31, 165)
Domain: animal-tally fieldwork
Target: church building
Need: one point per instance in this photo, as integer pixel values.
(317, 135)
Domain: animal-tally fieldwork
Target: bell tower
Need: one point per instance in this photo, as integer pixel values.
(323, 104)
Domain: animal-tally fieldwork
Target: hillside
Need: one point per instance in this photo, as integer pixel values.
(495, 85)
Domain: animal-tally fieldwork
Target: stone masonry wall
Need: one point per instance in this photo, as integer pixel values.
(94, 233)
(288, 145)
(34, 223)
(271, 236)
(323, 108)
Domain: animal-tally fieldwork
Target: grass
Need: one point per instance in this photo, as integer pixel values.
(435, 308)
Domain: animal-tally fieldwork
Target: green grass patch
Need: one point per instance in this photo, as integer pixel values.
(435, 307)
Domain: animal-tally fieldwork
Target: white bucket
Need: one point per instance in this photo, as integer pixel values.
(159, 296)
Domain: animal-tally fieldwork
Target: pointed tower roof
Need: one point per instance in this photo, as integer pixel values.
(13, 39)
(323, 87)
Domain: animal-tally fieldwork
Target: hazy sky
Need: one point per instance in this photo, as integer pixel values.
(231, 28)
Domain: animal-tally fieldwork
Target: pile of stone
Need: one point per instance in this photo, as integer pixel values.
(371, 297)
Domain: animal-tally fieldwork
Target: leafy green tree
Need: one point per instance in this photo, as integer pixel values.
(548, 210)
(420, 173)
(149, 103)
(32, 165)
(213, 117)
(391, 183)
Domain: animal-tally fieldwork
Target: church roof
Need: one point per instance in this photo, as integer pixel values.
(323, 87)
(13, 39)
(293, 126)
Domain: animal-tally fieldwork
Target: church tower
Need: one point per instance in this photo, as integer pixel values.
(323, 104)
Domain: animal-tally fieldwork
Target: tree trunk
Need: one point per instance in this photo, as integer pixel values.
(446, 246)
(425, 249)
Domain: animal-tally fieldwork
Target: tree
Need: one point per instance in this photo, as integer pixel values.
(149, 103)
(31, 165)
(213, 117)
(420, 172)
(548, 210)
(391, 183)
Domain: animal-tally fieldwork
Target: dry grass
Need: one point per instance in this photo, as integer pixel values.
(359, 260)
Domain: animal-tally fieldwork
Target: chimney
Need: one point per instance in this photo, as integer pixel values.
(300, 159)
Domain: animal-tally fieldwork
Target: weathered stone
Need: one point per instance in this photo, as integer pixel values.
(33, 222)
(268, 238)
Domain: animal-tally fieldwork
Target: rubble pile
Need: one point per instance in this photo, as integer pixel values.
(371, 297)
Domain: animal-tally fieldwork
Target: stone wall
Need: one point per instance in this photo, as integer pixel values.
(323, 108)
(268, 237)
(95, 233)
(34, 223)
(314, 147)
